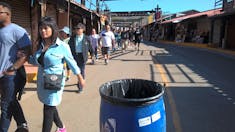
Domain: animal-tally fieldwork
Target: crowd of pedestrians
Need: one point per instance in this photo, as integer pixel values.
(57, 53)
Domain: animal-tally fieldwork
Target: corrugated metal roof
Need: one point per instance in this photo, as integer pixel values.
(83, 7)
(205, 13)
(79, 5)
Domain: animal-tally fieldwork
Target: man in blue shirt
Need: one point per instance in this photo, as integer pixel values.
(13, 39)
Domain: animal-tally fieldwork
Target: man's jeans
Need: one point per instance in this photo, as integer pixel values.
(82, 68)
(9, 103)
(96, 52)
(81, 64)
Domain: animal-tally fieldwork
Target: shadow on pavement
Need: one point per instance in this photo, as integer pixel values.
(195, 105)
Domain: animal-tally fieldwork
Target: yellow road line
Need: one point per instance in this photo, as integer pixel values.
(175, 115)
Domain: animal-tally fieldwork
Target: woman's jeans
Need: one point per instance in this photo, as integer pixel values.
(50, 115)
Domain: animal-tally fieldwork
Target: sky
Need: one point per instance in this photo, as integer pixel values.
(167, 6)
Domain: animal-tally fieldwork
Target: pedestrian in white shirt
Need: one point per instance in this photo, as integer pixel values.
(108, 40)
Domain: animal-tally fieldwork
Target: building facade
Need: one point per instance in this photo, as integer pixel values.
(27, 13)
(223, 26)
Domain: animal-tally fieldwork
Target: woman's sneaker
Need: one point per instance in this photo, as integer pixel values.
(61, 130)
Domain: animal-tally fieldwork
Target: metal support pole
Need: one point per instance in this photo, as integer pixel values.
(97, 6)
(68, 17)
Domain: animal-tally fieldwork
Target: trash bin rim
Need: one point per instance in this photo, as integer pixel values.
(130, 100)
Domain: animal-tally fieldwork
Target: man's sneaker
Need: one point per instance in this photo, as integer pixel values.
(22, 128)
(61, 130)
(106, 61)
(93, 62)
(67, 78)
(80, 90)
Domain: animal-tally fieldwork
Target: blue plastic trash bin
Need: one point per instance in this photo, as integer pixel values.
(132, 105)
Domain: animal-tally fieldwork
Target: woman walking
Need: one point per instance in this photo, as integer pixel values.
(50, 54)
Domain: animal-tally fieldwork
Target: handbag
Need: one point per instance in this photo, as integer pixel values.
(53, 81)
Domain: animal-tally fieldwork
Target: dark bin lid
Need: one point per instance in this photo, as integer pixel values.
(131, 92)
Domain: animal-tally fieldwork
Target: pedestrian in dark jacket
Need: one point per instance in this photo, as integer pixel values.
(80, 46)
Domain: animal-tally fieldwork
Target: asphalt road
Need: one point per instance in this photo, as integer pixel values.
(200, 88)
(199, 97)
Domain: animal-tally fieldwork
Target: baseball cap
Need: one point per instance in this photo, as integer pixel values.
(66, 30)
(80, 26)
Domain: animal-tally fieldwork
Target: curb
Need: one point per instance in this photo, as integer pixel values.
(202, 46)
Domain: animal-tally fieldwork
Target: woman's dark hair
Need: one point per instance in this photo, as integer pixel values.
(50, 22)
